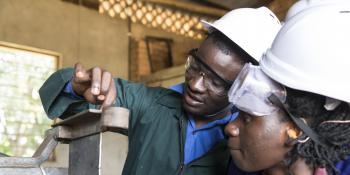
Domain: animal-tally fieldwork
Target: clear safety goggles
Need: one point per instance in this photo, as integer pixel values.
(251, 91)
(257, 94)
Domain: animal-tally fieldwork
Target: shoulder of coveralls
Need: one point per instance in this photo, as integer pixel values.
(170, 99)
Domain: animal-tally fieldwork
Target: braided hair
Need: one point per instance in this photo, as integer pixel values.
(336, 135)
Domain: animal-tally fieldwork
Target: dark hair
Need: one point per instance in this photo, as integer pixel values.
(228, 47)
(336, 136)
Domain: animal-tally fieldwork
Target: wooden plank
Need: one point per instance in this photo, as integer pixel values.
(192, 7)
(166, 74)
(233, 4)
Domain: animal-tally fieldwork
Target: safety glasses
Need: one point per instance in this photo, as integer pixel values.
(257, 94)
(251, 90)
(195, 67)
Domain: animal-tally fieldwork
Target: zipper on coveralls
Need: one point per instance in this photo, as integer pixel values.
(181, 167)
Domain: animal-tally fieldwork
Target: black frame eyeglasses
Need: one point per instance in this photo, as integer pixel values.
(195, 66)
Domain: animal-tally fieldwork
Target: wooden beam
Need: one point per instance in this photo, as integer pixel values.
(192, 7)
(92, 4)
(233, 4)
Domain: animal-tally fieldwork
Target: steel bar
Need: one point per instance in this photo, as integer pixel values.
(85, 156)
(41, 155)
(33, 171)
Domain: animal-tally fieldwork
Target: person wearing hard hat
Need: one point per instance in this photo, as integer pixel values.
(304, 4)
(294, 109)
(343, 166)
(171, 132)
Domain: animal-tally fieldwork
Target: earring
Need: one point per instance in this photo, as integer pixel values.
(304, 140)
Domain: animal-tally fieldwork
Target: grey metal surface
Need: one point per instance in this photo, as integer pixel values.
(56, 171)
(83, 133)
(115, 119)
(33, 171)
(41, 155)
(92, 121)
(84, 156)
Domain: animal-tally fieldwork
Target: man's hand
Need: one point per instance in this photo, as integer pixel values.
(95, 85)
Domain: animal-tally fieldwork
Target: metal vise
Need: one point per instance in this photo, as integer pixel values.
(83, 134)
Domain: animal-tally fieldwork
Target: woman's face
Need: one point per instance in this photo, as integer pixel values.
(258, 143)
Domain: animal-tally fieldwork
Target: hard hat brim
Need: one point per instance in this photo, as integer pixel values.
(209, 26)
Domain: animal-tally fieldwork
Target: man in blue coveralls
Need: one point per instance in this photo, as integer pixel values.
(169, 132)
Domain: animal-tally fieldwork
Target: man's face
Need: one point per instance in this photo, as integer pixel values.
(205, 92)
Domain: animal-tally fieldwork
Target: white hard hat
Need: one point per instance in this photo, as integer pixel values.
(304, 4)
(312, 52)
(251, 29)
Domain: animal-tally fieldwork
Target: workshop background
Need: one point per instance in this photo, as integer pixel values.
(140, 40)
